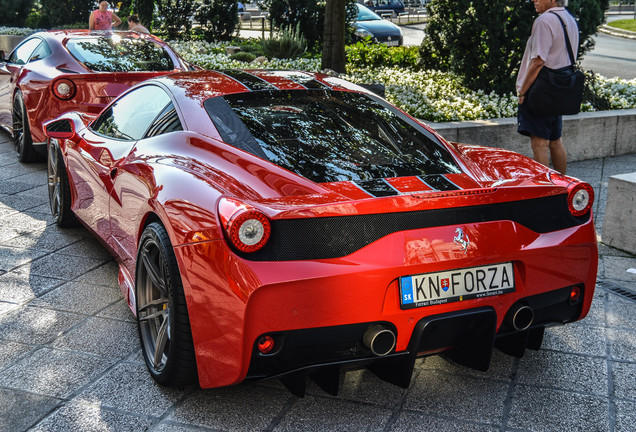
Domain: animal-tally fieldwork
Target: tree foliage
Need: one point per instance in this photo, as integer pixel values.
(309, 15)
(483, 40)
(218, 18)
(59, 13)
(14, 12)
(145, 9)
(176, 17)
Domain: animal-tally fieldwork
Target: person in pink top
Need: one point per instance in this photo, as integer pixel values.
(102, 18)
(545, 47)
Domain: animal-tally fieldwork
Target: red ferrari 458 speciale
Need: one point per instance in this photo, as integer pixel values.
(289, 224)
(57, 71)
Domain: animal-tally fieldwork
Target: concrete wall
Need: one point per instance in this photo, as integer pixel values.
(8, 43)
(586, 135)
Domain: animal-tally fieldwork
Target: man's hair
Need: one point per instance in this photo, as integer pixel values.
(561, 3)
(134, 18)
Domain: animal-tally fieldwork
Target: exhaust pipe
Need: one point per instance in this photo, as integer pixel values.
(379, 339)
(522, 317)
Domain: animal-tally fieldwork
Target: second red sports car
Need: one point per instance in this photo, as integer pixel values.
(287, 224)
(57, 71)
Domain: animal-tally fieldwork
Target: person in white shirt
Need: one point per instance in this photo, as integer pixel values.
(545, 47)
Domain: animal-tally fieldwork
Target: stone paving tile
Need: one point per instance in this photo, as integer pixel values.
(63, 266)
(101, 336)
(48, 240)
(105, 275)
(79, 417)
(20, 203)
(22, 222)
(129, 387)
(501, 366)
(623, 344)
(364, 386)
(87, 247)
(32, 325)
(11, 257)
(6, 307)
(20, 410)
(414, 421)
(326, 414)
(621, 315)
(227, 408)
(540, 409)
(564, 372)
(616, 268)
(119, 311)
(625, 416)
(11, 187)
(172, 427)
(11, 351)
(53, 372)
(438, 394)
(79, 297)
(19, 286)
(576, 338)
(624, 377)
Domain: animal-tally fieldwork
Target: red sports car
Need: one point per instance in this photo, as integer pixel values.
(52, 72)
(287, 224)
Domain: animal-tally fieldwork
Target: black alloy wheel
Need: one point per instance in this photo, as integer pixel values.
(162, 314)
(21, 131)
(59, 187)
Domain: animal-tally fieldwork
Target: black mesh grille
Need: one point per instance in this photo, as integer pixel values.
(333, 237)
(59, 126)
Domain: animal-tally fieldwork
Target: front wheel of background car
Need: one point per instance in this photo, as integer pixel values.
(162, 314)
(59, 187)
(21, 131)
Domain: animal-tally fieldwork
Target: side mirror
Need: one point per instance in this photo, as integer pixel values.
(61, 129)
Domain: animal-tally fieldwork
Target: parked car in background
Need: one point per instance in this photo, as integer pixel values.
(287, 224)
(379, 6)
(56, 71)
(369, 25)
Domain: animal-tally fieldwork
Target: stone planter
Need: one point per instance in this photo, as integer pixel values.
(9, 42)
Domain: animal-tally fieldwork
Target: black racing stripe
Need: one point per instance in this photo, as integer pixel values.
(250, 81)
(377, 187)
(306, 80)
(439, 182)
(333, 237)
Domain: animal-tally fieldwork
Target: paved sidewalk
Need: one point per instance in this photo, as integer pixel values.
(70, 359)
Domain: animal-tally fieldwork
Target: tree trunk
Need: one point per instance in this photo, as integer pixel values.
(333, 47)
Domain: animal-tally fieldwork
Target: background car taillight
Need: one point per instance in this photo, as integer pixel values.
(247, 229)
(580, 198)
(64, 88)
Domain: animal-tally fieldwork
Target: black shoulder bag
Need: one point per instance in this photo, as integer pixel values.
(557, 91)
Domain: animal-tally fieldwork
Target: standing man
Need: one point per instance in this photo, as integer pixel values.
(545, 47)
(102, 18)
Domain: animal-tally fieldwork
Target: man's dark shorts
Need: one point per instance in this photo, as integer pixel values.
(548, 127)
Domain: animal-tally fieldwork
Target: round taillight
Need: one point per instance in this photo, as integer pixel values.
(64, 89)
(266, 344)
(246, 228)
(580, 199)
(575, 295)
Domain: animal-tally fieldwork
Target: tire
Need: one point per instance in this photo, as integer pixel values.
(59, 187)
(21, 131)
(162, 314)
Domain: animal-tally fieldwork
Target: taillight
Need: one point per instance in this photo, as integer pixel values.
(247, 229)
(64, 88)
(580, 198)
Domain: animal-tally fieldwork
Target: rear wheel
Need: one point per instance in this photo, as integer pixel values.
(21, 131)
(59, 187)
(162, 314)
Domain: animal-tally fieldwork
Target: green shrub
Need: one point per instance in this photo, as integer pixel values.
(176, 17)
(219, 19)
(483, 40)
(288, 44)
(14, 12)
(363, 54)
(308, 15)
(243, 56)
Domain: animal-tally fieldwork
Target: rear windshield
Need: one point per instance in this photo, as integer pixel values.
(113, 53)
(328, 136)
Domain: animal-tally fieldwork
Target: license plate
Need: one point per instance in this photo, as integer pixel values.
(456, 285)
(392, 43)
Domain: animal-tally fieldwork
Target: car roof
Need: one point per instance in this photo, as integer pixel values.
(63, 35)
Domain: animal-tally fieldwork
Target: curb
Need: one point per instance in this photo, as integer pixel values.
(613, 31)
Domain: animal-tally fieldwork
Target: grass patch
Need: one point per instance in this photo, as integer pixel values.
(626, 24)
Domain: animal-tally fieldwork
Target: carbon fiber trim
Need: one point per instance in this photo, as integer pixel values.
(334, 237)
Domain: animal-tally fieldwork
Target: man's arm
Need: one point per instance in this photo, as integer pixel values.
(533, 71)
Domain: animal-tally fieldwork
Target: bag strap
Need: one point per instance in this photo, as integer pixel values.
(567, 38)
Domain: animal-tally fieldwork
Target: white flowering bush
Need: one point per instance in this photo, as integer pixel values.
(17, 31)
(428, 95)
